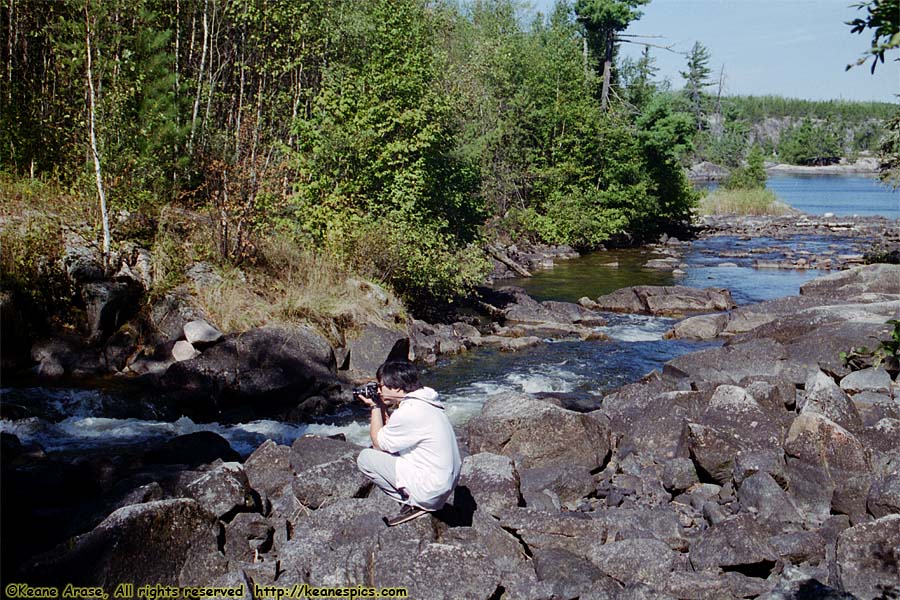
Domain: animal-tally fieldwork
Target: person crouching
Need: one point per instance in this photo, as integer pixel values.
(414, 457)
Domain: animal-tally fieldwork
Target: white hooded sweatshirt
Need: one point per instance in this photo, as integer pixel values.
(428, 462)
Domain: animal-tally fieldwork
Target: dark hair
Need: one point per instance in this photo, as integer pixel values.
(399, 375)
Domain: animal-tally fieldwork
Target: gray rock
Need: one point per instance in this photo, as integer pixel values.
(199, 332)
(536, 433)
(867, 559)
(712, 451)
(648, 422)
(572, 576)
(867, 380)
(827, 468)
(548, 487)
(169, 315)
(740, 541)
(264, 365)
(799, 546)
(247, 536)
(730, 364)
(328, 481)
(144, 544)
(432, 571)
(492, 480)
(634, 560)
(703, 585)
(183, 350)
(269, 469)
(82, 260)
(373, 346)
(665, 300)
(205, 275)
(874, 407)
(884, 496)
(762, 493)
(311, 450)
(223, 490)
(108, 306)
(823, 396)
(701, 327)
(877, 278)
(679, 474)
(762, 460)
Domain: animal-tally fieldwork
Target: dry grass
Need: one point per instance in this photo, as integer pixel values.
(742, 202)
(294, 284)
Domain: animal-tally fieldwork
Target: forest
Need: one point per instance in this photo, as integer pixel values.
(391, 138)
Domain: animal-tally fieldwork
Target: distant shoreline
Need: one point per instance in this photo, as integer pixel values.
(862, 166)
(706, 171)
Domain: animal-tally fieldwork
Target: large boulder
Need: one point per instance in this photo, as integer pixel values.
(143, 544)
(731, 364)
(193, 449)
(328, 481)
(823, 396)
(270, 366)
(867, 559)
(373, 346)
(223, 491)
(108, 305)
(269, 469)
(827, 467)
(492, 481)
(648, 421)
(665, 300)
(877, 278)
(536, 433)
(738, 542)
(646, 561)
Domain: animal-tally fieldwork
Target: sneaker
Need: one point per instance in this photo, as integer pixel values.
(407, 513)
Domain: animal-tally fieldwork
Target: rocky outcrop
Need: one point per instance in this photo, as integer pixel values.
(663, 300)
(743, 471)
(266, 369)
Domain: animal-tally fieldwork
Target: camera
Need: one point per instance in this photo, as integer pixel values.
(369, 392)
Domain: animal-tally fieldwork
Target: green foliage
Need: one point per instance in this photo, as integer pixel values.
(889, 152)
(751, 177)
(377, 154)
(884, 19)
(809, 143)
(31, 268)
(696, 78)
(886, 351)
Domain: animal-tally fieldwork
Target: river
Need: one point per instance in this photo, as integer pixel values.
(72, 419)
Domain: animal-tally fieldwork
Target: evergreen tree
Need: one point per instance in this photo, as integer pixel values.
(696, 78)
(601, 20)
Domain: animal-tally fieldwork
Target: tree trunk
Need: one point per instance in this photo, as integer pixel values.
(98, 172)
(199, 76)
(607, 70)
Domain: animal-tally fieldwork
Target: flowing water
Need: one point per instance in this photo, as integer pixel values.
(68, 419)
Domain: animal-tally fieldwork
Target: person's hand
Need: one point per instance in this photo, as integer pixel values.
(367, 401)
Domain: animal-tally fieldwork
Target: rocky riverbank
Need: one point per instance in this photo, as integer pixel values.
(707, 171)
(765, 468)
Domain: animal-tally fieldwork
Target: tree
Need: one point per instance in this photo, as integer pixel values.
(809, 144)
(696, 78)
(601, 20)
(884, 19)
(749, 177)
(638, 79)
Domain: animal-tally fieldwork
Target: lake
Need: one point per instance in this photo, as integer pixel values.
(842, 195)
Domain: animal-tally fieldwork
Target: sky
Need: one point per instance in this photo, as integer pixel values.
(791, 48)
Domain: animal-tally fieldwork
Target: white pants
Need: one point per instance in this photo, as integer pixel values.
(381, 468)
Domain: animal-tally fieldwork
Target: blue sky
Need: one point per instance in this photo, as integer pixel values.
(792, 48)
